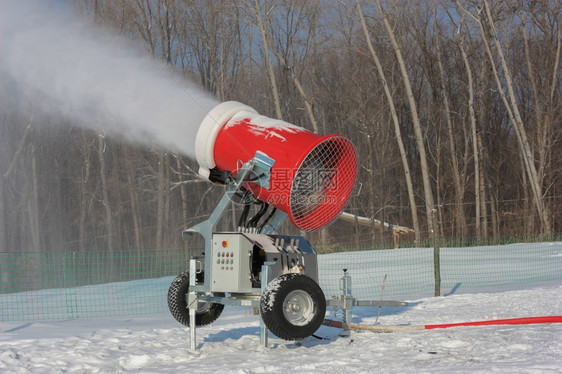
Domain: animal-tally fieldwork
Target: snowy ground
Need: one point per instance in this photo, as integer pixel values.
(158, 344)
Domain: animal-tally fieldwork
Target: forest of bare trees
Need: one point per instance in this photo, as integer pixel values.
(455, 108)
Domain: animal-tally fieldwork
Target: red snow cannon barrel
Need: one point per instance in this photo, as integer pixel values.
(312, 177)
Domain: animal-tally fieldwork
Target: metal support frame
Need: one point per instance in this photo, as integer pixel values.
(260, 165)
(346, 301)
(247, 300)
(192, 302)
(346, 297)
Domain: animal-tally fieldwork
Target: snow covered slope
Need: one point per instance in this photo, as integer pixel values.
(478, 284)
(158, 344)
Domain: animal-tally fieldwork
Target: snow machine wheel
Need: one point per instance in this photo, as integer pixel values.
(206, 313)
(293, 306)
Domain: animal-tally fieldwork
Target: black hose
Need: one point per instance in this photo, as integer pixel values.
(244, 215)
(267, 219)
(255, 219)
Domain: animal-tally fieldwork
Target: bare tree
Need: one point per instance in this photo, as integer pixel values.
(396, 123)
(85, 200)
(485, 21)
(298, 14)
(105, 193)
(543, 95)
(473, 129)
(3, 180)
(428, 194)
(163, 188)
(209, 43)
(261, 14)
(477, 128)
(457, 182)
(133, 196)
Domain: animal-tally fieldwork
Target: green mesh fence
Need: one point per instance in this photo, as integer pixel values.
(62, 285)
(409, 272)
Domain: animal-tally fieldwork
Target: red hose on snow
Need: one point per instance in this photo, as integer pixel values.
(510, 321)
(380, 328)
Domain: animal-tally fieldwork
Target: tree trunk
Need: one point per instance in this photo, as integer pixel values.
(4, 232)
(482, 184)
(529, 217)
(403, 156)
(543, 117)
(184, 200)
(262, 25)
(165, 32)
(145, 28)
(494, 214)
(489, 35)
(84, 200)
(438, 184)
(460, 218)
(105, 194)
(296, 81)
(428, 194)
(161, 200)
(534, 179)
(475, 150)
(372, 192)
(33, 204)
(134, 204)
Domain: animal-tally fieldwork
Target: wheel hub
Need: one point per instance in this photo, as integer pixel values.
(298, 308)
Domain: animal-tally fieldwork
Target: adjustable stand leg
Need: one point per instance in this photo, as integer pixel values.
(346, 297)
(192, 334)
(346, 301)
(263, 333)
(264, 282)
(192, 305)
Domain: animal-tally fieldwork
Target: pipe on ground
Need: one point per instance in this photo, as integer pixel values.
(381, 328)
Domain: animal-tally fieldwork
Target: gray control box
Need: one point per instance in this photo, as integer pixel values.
(230, 264)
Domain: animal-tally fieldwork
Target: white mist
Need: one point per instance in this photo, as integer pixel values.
(68, 67)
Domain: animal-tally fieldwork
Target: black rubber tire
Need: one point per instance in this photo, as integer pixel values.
(278, 310)
(177, 303)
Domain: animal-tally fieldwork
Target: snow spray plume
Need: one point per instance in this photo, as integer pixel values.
(68, 67)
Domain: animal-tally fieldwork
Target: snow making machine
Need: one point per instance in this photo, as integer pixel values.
(284, 171)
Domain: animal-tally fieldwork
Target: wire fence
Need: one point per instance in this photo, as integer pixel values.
(63, 285)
